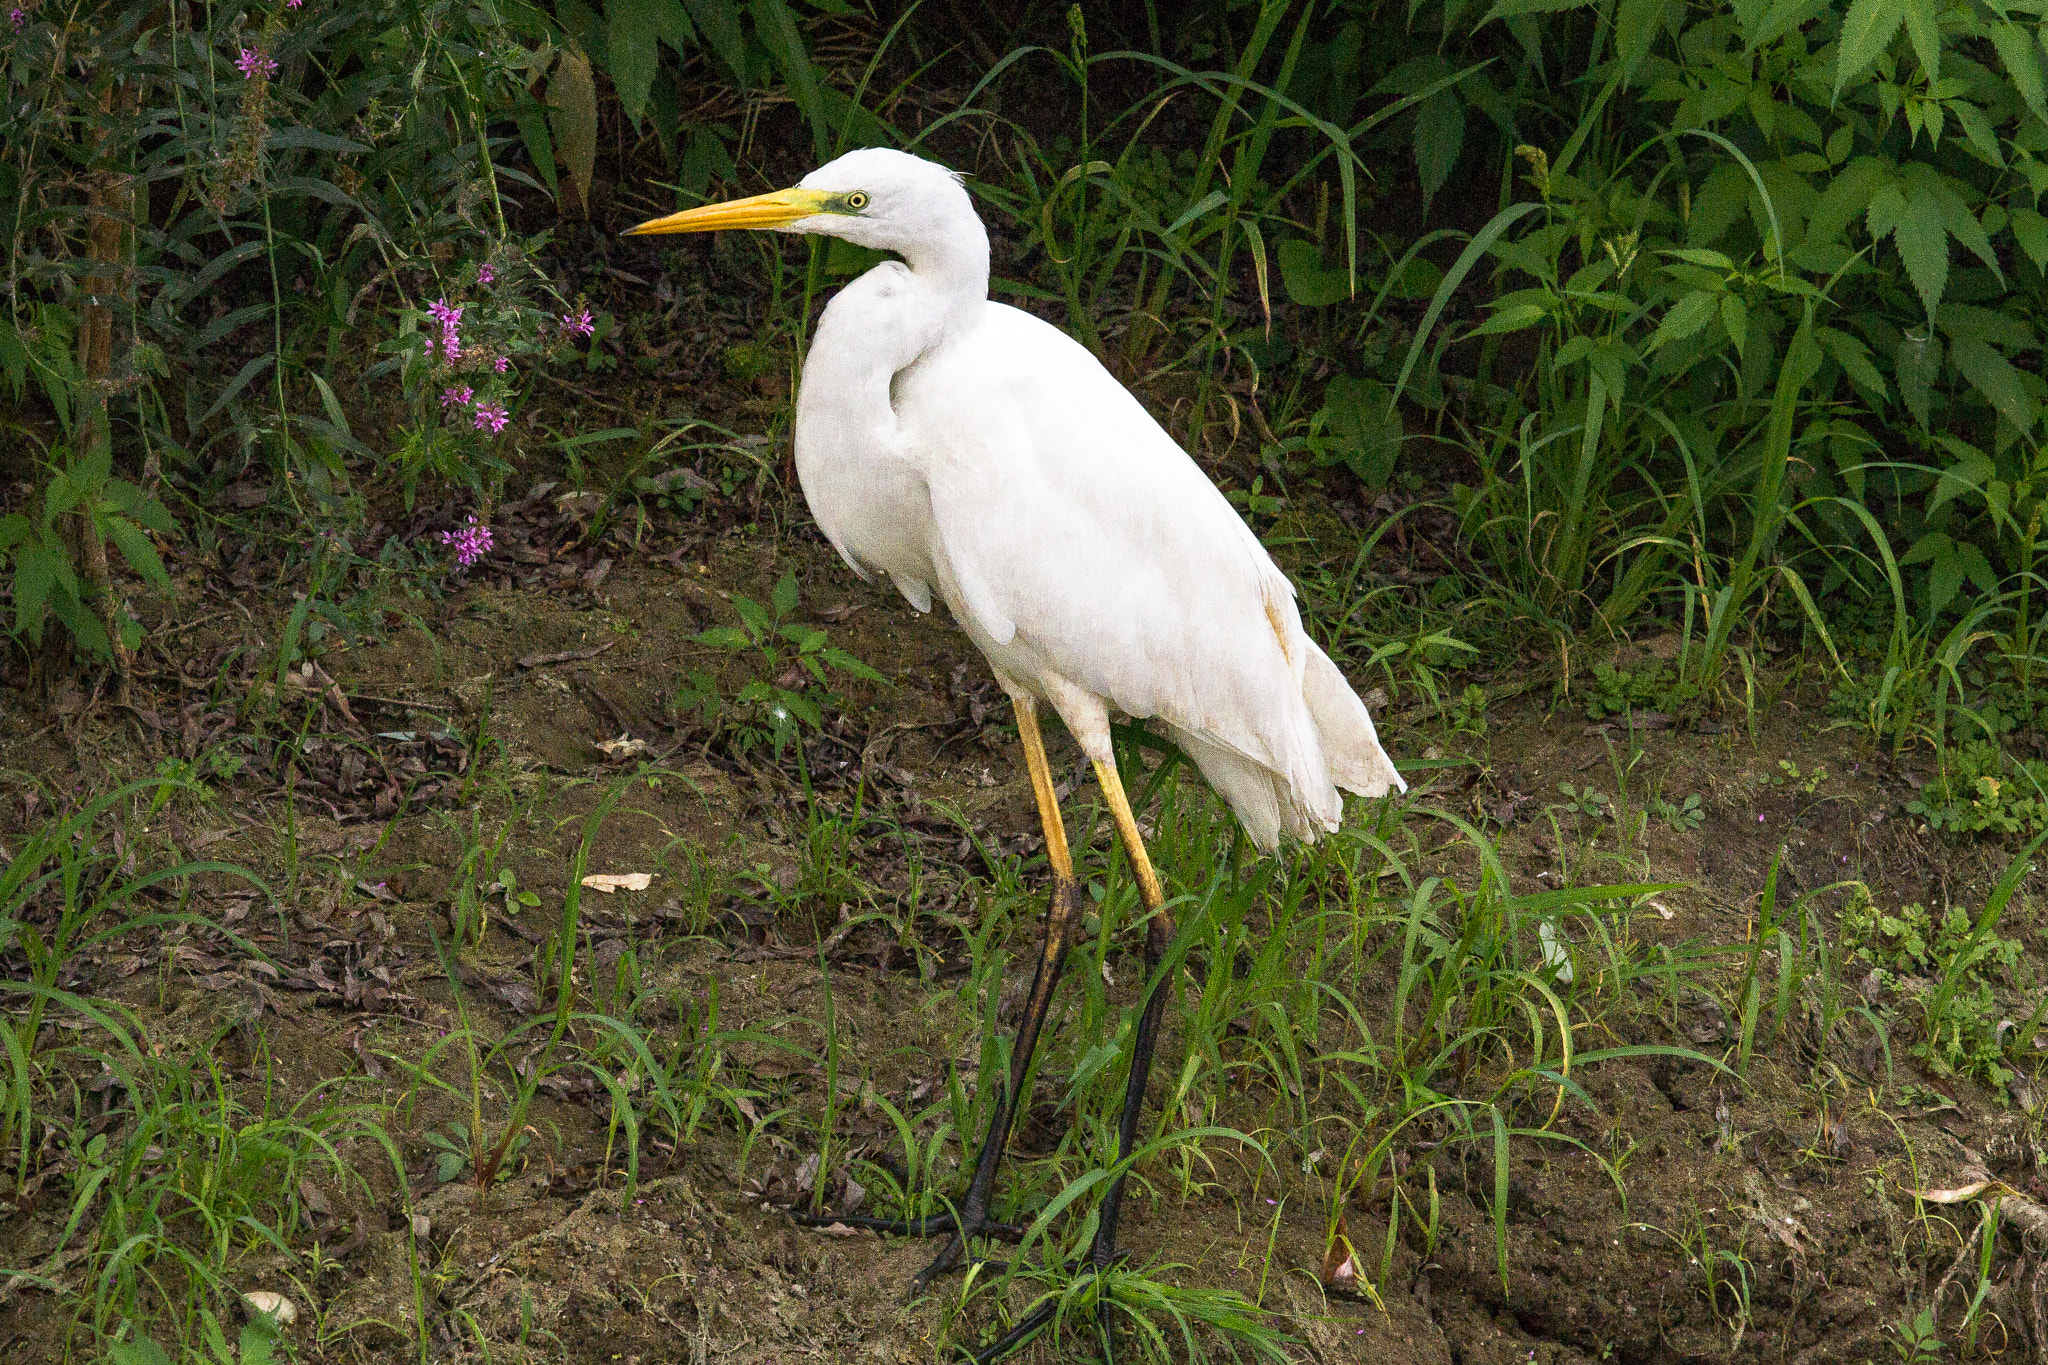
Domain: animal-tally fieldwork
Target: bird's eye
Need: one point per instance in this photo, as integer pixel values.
(857, 200)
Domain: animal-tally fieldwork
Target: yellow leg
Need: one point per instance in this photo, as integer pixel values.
(1041, 787)
(1127, 830)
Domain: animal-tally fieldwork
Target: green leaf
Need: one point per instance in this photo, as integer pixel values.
(2022, 59)
(724, 637)
(36, 570)
(1923, 26)
(1993, 376)
(784, 599)
(1866, 32)
(1735, 317)
(1439, 137)
(1304, 277)
(1914, 365)
(1923, 244)
(1685, 317)
(719, 22)
(137, 1351)
(2030, 230)
(1854, 358)
(136, 549)
(1513, 318)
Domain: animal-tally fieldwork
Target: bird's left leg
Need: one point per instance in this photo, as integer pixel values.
(1158, 935)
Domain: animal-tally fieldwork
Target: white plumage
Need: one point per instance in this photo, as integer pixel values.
(971, 452)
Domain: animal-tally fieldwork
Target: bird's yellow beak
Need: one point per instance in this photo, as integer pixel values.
(775, 209)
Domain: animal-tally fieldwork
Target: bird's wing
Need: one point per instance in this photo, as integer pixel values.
(1079, 535)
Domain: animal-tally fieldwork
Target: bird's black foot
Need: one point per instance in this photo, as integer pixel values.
(959, 1228)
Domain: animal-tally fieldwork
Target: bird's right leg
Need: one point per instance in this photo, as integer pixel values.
(971, 1219)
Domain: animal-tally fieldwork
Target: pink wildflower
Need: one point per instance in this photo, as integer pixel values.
(429, 345)
(17, 16)
(484, 273)
(492, 415)
(293, 4)
(458, 395)
(253, 64)
(471, 543)
(501, 363)
(579, 324)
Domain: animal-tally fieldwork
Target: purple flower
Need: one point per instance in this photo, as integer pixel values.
(471, 543)
(484, 273)
(293, 4)
(501, 363)
(253, 64)
(579, 324)
(451, 397)
(444, 314)
(17, 16)
(492, 415)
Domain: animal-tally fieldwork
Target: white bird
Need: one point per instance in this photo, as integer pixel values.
(967, 450)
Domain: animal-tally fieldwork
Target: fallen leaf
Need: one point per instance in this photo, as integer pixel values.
(276, 1307)
(609, 882)
(624, 747)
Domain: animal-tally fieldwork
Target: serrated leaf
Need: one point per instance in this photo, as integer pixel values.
(572, 117)
(2030, 230)
(1923, 245)
(1712, 260)
(1854, 358)
(719, 22)
(1993, 376)
(2022, 62)
(785, 597)
(1914, 365)
(1735, 318)
(724, 637)
(1923, 27)
(36, 571)
(136, 549)
(1685, 317)
(1513, 318)
(1867, 31)
(1439, 137)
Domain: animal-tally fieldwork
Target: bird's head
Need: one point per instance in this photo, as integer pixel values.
(875, 197)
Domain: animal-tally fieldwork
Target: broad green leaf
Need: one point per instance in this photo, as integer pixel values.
(633, 27)
(1735, 317)
(719, 22)
(1439, 137)
(724, 637)
(137, 1351)
(1305, 278)
(37, 569)
(2022, 61)
(1712, 260)
(2030, 230)
(136, 549)
(1978, 129)
(1867, 31)
(1854, 357)
(1915, 364)
(1515, 9)
(1511, 319)
(1923, 244)
(1923, 26)
(1993, 376)
(785, 597)
(1636, 24)
(1685, 317)
(1969, 473)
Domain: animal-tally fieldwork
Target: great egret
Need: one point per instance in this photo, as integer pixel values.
(965, 448)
